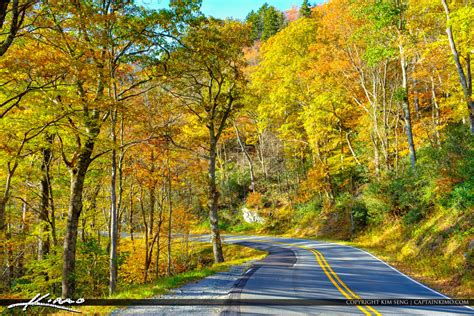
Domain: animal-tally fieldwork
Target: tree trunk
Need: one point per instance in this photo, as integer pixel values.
(435, 113)
(213, 201)
(158, 246)
(406, 109)
(150, 242)
(464, 77)
(3, 225)
(6, 196)
(261, 155)
(75, 208)
(170, 206)
(131, 214)
(113, 213)
(145, 223)
(44, 240)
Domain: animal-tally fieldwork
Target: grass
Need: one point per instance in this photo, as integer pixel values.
(435, 251)
(234, 255)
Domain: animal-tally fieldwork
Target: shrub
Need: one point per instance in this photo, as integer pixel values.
(255, 200)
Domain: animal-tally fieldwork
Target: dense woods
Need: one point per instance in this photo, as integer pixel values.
(125, 129)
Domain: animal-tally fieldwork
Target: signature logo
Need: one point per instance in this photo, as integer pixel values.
(57, 303)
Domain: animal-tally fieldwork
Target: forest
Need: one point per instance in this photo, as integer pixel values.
(124, 130)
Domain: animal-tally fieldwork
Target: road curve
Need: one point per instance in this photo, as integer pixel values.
(304, 269)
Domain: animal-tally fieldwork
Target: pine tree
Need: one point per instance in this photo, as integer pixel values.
(305, 10)
(266, 22)
(255, 20)
(273, 21)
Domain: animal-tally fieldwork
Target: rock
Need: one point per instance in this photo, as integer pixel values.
(251, 216)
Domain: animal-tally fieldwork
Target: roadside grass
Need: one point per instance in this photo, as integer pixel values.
(234, 255)
(435, 251)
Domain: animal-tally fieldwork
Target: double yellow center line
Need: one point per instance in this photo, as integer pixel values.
(338, 283)
(332, 276)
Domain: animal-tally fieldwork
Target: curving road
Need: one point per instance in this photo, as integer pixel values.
(303, 269)
(312, 270)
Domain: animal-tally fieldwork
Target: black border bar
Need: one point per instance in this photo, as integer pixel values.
(262, 302)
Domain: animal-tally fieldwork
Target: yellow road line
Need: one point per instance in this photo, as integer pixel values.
(330, 273)
(318, 257)
(343, 284)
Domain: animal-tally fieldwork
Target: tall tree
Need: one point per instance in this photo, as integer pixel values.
(266, 22)
(305, 10)
(273, 21)
(464, 23)
(207, 79)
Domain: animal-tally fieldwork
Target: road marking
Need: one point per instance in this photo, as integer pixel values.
(333, 275)
(330, 273)
(317, 255)
(343, 284)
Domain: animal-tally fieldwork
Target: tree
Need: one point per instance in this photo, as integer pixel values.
(463, 18)
(273, 21)
(89, 47)
(305, 10)
(266, 22)
(390, 16)
(207, 79)
(254, 19)
(17, 9)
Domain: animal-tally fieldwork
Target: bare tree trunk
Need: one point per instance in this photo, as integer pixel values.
(6, 195)
(435, 112)
(376, 154)
(349, 144)
(261, 155)
(145, 223)
(113, 210)
(131, 213)
(170, 207)
(213, 201)
(149, 234)
(78, 175)
(3, 204)
(406, 109)
(44, 240)
(158, 245)
(464, 76)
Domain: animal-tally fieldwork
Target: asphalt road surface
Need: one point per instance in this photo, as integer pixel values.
(299, 269)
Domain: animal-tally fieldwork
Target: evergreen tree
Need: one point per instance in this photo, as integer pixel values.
(266, 22)
(273, 21)
(305, 10)
(254, 19)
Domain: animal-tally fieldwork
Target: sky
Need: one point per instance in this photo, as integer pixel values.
(237, 9)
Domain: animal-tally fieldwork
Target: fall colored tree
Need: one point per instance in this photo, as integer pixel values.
(208, 82)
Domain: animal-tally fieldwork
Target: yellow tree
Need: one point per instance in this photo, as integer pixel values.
(207, 79)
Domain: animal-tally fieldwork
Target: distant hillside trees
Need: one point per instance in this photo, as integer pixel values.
(266, 22)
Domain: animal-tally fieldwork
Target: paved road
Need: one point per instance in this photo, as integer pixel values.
(308, 270)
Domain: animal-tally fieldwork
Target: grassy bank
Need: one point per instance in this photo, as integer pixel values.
(435, 252)
(234, 255)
